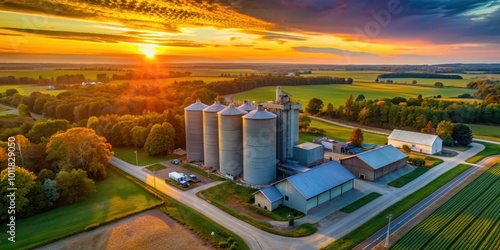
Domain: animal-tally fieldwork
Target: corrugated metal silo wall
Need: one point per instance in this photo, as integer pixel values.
(194, 134)
(230, 144)
(259, 150)
(211, 139)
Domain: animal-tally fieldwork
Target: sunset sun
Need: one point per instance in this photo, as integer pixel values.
(148, 50)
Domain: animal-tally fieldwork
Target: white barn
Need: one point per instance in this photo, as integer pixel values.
(418, 142)
(307, 190)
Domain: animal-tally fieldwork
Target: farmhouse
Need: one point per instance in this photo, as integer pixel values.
(419, 142)
(371, 165)
(307, 190)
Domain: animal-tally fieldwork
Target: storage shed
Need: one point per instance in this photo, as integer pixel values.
(308, 154)
(418, 142)
(268, 198)
(371, 165)
(310, 189)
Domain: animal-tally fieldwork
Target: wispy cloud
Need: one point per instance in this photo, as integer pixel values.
(334, 51)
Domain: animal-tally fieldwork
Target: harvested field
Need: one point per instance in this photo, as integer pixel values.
(148, 230)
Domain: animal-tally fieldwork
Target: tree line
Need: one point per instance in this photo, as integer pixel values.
(487, 90)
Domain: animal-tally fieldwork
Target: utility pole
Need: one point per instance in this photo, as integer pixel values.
(388, 230)
(136, 159)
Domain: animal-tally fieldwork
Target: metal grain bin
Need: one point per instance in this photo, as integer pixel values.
(231, 140)
(193, 118)
(211, 134)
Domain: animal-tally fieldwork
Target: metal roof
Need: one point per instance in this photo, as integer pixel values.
(271, 193)
(232, 110)
(308, 146)
(413, 137)
(259, 114)
(216, 107)
(197, 106)
(320, 179)
(380, 157)
(247, 106)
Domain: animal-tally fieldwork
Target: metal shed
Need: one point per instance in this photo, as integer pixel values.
(308, 154)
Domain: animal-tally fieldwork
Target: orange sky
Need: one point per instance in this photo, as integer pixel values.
(186, 31)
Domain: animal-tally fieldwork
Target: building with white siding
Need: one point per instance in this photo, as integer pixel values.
(418, 142)
(307, 190)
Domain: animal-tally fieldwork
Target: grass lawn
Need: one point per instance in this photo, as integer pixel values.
(360, 203)
(199, 223)
(339, 133)
(359, 234)
(234, 200)
(490, 149)
(487, 132)
(116, 197)
(156, 167)
(127, 154)
(429, 160)
(407, 178)
(337, 94)
(200, 172)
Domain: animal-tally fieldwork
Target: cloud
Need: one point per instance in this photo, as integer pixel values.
(334, 51)
(272, 36)
(164, 15)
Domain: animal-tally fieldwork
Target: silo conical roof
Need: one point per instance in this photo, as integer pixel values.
(232, 110)
(259, 114)
(247, 106)
(216, 107)
(197, 106)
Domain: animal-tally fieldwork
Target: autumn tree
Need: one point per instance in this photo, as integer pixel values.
(74, 186)
(25, 180)
(444, 130)
(80, 148)
(43, 130)
(45, 174)
(356, 137)
(429, 128)
(330, 110)
(348, 107)
(160, 139)
(314, 106)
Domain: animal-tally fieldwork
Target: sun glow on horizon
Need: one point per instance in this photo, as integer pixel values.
(148, 50)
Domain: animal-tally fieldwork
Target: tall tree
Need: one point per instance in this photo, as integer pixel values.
(330, 110)
(23, 110)
(304, 122)
(444, 130)
(462, 134)
(25, 180)
(314, 106)
(360, 98)
(80, 148)
(356, 137)
(348, 107)
(42, 130)
(50, 190)
(429, 128)
(74, 186)
(160, 139)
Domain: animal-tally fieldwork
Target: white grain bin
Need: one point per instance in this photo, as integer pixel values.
(193, 118)
(259, 147)
(231, 140)
(211, 135)
(247, 106)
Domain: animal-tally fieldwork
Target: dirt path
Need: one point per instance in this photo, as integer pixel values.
(148, 230)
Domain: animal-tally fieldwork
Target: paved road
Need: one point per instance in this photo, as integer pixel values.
(258, 239)
(12, 110)
(409, 215)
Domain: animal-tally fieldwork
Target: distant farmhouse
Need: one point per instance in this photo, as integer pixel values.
(418, 142)
(307, 190)
(371, 165)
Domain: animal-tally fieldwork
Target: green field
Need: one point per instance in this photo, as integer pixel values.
(487, 132)
(469, 220)
(206, 79)
(48, 73)
(116, 197)
(360, 203)
(339, 133)
(490, 149)
(127, 154)
(407, 178)
(337, 94)
(28, 89)
(370, 227)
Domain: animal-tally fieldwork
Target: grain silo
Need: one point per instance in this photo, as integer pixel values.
(247, 106)
(211, 135)
(259, 147)
(231, 140)
(193, 118)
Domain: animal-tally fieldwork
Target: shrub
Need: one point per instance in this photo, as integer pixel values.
(223, 244)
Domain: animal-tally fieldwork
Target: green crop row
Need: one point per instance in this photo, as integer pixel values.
(469, 220)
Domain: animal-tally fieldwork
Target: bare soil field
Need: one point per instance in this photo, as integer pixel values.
(149, 230)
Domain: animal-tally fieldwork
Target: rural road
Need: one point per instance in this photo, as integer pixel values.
(258, 239)
(409, 215)
(14, 111)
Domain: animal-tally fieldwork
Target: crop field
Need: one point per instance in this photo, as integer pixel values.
(206, 79)
(488, 132)
(469, 220)
(48, 73)
(339, 133)
(25, 89)
(356, 75)
(337, 94)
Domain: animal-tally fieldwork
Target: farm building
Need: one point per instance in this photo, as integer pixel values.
(371, 165)
(307, 190)
(308, 154)
(419, 142)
